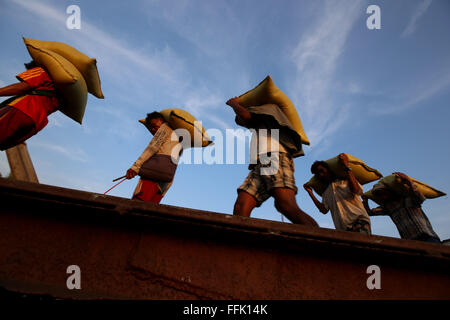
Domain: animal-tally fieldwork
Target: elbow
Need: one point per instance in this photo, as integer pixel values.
(246, 117)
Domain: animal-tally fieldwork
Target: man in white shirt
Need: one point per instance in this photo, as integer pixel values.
(163, 143)
(341, 197)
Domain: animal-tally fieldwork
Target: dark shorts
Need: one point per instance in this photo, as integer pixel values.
(361, 226)
(260, 185)
(428, 238)
(15, 127)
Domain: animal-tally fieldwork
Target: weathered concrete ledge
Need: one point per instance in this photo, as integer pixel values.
(132, 250)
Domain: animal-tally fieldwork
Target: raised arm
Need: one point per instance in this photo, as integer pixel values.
(240, 111)
(355, 186)
(15, 89)
(418, 197)
(318, 204)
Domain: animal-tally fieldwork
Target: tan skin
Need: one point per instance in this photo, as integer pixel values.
(154, 125)
(15, 89)
(285, 201)
(327, 177)
(386, 196)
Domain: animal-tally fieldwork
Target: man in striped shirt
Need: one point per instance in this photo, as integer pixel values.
(405, 211)
(25, 114)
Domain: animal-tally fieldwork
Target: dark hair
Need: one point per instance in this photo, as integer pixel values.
(154, 115)
(317, 164)
(30, 65)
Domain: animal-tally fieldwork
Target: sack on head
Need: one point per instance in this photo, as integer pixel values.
(362, 172)
(394, 183)
(268, 93)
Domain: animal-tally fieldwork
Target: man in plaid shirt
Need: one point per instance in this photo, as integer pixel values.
(405, 211)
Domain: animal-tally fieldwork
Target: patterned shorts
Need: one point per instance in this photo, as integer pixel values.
(279, 173)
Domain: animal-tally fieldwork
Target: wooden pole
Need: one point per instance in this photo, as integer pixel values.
(20, 164)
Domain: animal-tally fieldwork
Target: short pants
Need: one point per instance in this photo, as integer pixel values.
(361, 226)
(15, 127)
(261, 185)
(148, 191)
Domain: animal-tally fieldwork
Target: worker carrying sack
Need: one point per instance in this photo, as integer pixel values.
(159, 167)
(362, 172)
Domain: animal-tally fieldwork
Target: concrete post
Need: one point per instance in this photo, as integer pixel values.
(21, 164)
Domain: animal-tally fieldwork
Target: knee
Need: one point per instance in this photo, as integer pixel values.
(237, 207)
(285, 206)
(244, 205)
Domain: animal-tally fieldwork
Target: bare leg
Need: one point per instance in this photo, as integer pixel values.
(286, 204)
(244, 205)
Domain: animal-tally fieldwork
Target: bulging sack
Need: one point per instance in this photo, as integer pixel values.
(362, 172)
(68, 81)
(85, 65)
(268, 93)
(159, 167)
(181, 119)
(393, 182)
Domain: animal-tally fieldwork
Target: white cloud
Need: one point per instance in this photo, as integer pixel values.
(421, 93)
(111, 49)
(161, 70)
(71, 153)
(210, 37)
(316, 57)
(418, 13)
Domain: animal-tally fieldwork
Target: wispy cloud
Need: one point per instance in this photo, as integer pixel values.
(423, 91)
(74, 154)
(152, 72)
(101, 43)
(316, 57)
(203, 32)
(418, 13)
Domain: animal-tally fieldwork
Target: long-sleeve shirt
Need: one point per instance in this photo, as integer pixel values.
(162, 143)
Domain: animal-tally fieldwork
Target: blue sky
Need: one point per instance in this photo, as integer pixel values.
(380, 95)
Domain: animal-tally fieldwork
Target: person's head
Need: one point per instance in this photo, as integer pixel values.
(382, 193)
(322, 171)
(30, 65)
(154, 121)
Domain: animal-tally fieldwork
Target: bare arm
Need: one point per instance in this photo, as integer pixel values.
(239, 110)
(318, 204)
(353, 183)
(371, 212)
(15, 89)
